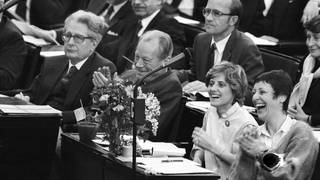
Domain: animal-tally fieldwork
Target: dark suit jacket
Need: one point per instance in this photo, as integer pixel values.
(169, 97)
(80, 86)
(49, 14)
(128, 42)
(13, 51)
(282, 20)
(239, 50)
(119, 23)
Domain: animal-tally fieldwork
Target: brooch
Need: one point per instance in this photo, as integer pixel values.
(227, 123)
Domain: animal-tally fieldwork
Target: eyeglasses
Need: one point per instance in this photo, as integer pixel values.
(214, 13)
(77, 38)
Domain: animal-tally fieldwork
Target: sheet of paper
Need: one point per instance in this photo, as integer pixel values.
(29, 109)
(51, 53)
(35, 41)
(316, 134)
(162, 149)
(186, 20)
(260, 41)
(170, 166)
(200, 105)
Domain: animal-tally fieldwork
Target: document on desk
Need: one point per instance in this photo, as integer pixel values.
(160, 149)
(260, 41)
(171, 166)
(316, 133)
(28, 109)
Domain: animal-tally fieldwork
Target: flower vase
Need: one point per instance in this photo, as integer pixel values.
(87, 131)
(115, 141)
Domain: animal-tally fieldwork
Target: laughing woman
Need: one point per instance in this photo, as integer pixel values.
(214, 142)
(283, 148)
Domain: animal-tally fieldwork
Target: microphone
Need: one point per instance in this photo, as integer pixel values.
(9, 4)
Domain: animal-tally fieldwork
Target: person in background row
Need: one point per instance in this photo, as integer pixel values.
(154, 49)
(290, 142)
(65, 82)
(13, 51)
(221, 42)
(305, 98)
(214, 142)
(151, 18)
(276, 20)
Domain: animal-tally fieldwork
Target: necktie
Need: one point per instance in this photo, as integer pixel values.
(107, 17)
(66, 79)
(139, 27)
(211, 55)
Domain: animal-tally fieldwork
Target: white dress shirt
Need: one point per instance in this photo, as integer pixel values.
(273, 142)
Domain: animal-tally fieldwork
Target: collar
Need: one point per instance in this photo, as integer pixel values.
(221, 44)
(285, 127)
(146, 21)
(230, 111)
(78, 65)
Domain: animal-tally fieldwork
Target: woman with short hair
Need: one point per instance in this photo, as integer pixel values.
(214, 142)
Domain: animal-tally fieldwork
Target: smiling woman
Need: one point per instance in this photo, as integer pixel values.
(291, 142)
(214, 143)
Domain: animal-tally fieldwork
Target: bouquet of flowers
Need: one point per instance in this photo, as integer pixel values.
(112, 108)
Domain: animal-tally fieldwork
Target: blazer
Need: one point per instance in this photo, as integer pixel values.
(80, 86)
(13, 51)
(119, 23)
(128, 42)
(282, 21)
(238, 50)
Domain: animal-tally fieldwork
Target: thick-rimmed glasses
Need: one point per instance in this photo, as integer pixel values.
(214, 13)
(77, 38)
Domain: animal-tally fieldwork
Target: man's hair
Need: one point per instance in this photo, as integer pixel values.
(94, 23)
(234, 76)
(164, 40)
(313, 25)
(280, 82)
(236, 8)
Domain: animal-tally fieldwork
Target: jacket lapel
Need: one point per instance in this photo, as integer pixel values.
(120, 14)
(226, 56)
(55, 74)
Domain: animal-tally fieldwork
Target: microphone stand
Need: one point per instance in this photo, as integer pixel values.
(135, 121)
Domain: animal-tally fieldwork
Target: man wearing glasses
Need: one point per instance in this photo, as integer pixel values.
(221, 42)
(65, 82)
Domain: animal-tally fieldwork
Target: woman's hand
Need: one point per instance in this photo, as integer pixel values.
(98, 79)
(198, 156)
(204, 141)
(251, 145)
(298, 113)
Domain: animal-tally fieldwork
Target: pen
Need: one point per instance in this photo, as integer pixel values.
(171, 160)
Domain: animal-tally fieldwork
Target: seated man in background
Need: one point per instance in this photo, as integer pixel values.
(151, 18)
(276, 20)
(221, 42)
(65, 81)
(154, 49)
(13, 51)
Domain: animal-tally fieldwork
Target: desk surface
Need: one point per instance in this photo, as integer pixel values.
(83, 160)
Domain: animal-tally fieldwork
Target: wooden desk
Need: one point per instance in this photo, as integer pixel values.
(90, 161)
(27, 144)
